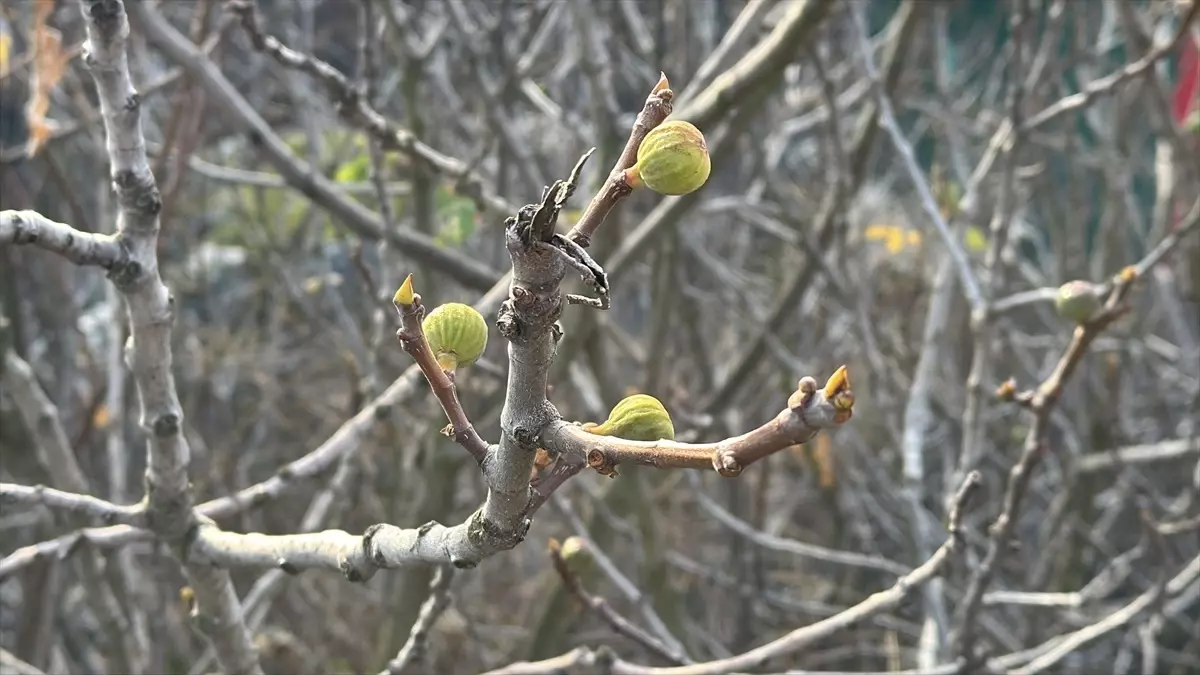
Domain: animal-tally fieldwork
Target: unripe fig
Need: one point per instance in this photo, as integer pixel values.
(575, 554)
(672, 159)
(1077, 301)
(456, 333)
(639, 417)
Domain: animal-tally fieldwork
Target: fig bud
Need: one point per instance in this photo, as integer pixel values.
(639, 417)
(672, 159)
(1077, 301)
(456, 333)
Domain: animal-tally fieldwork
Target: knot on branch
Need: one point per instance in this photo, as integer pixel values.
(488, 536)
(137, 191)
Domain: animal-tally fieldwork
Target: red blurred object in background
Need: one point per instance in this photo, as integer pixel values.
(1187, 95)
(1187, 91)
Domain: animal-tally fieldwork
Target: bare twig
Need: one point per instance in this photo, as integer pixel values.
(359, 219)
(606, 612)
(1041, 402)
(792, 642)
(83, 505)
(11, 664)
(1107, 84)
(797, 548)
(414, 649)
(44, 423)
(887, 119)
(358, 110)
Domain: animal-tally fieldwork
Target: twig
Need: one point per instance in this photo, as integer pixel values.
(1056, 649)
(414, 649)
(902, 30)
(792, 642)
(1105, 85)
(225, 98)
(809, 411)
(353, 106)
(545, 486)
(1041, 402)
(887, 119)
(412, 337)
(605, 611)
(83, 505)
(1139, 454)
(11, 665)
(656, 109)
(44, 423)
(981, 321)
(62, 547)
(791, 546)
(628, 588)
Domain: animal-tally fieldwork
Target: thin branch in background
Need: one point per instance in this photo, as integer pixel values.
(887, 119)
(796, 640)
(601, 607)
(78, 504)
(1041, 402)
(357, 110)
(415, 649)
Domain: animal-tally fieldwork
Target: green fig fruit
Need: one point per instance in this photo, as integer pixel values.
(1077, 301)
(456, 333)
(671, 160)
(639, 417)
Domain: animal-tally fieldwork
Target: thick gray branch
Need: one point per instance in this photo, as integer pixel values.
(81, 248)
(150, 308)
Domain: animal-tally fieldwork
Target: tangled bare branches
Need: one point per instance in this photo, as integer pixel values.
(251, 317)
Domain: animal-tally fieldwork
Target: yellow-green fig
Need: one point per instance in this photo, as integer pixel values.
(640, 417)
(456, 333)
(1077, 301)
(672, 159)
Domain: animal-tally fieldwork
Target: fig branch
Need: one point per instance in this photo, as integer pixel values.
(810, 409)
(1041, 402)
(412, 336)
(657, 108)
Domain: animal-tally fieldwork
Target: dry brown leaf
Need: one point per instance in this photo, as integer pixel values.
(101, 418)
(822, 456)
(49, 64)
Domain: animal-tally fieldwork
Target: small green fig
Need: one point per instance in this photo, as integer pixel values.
(639, 417)
(575, 554)
(672, 159)
(1077, 301)
(456, 333)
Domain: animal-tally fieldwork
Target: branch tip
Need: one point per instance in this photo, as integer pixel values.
(404, 296)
